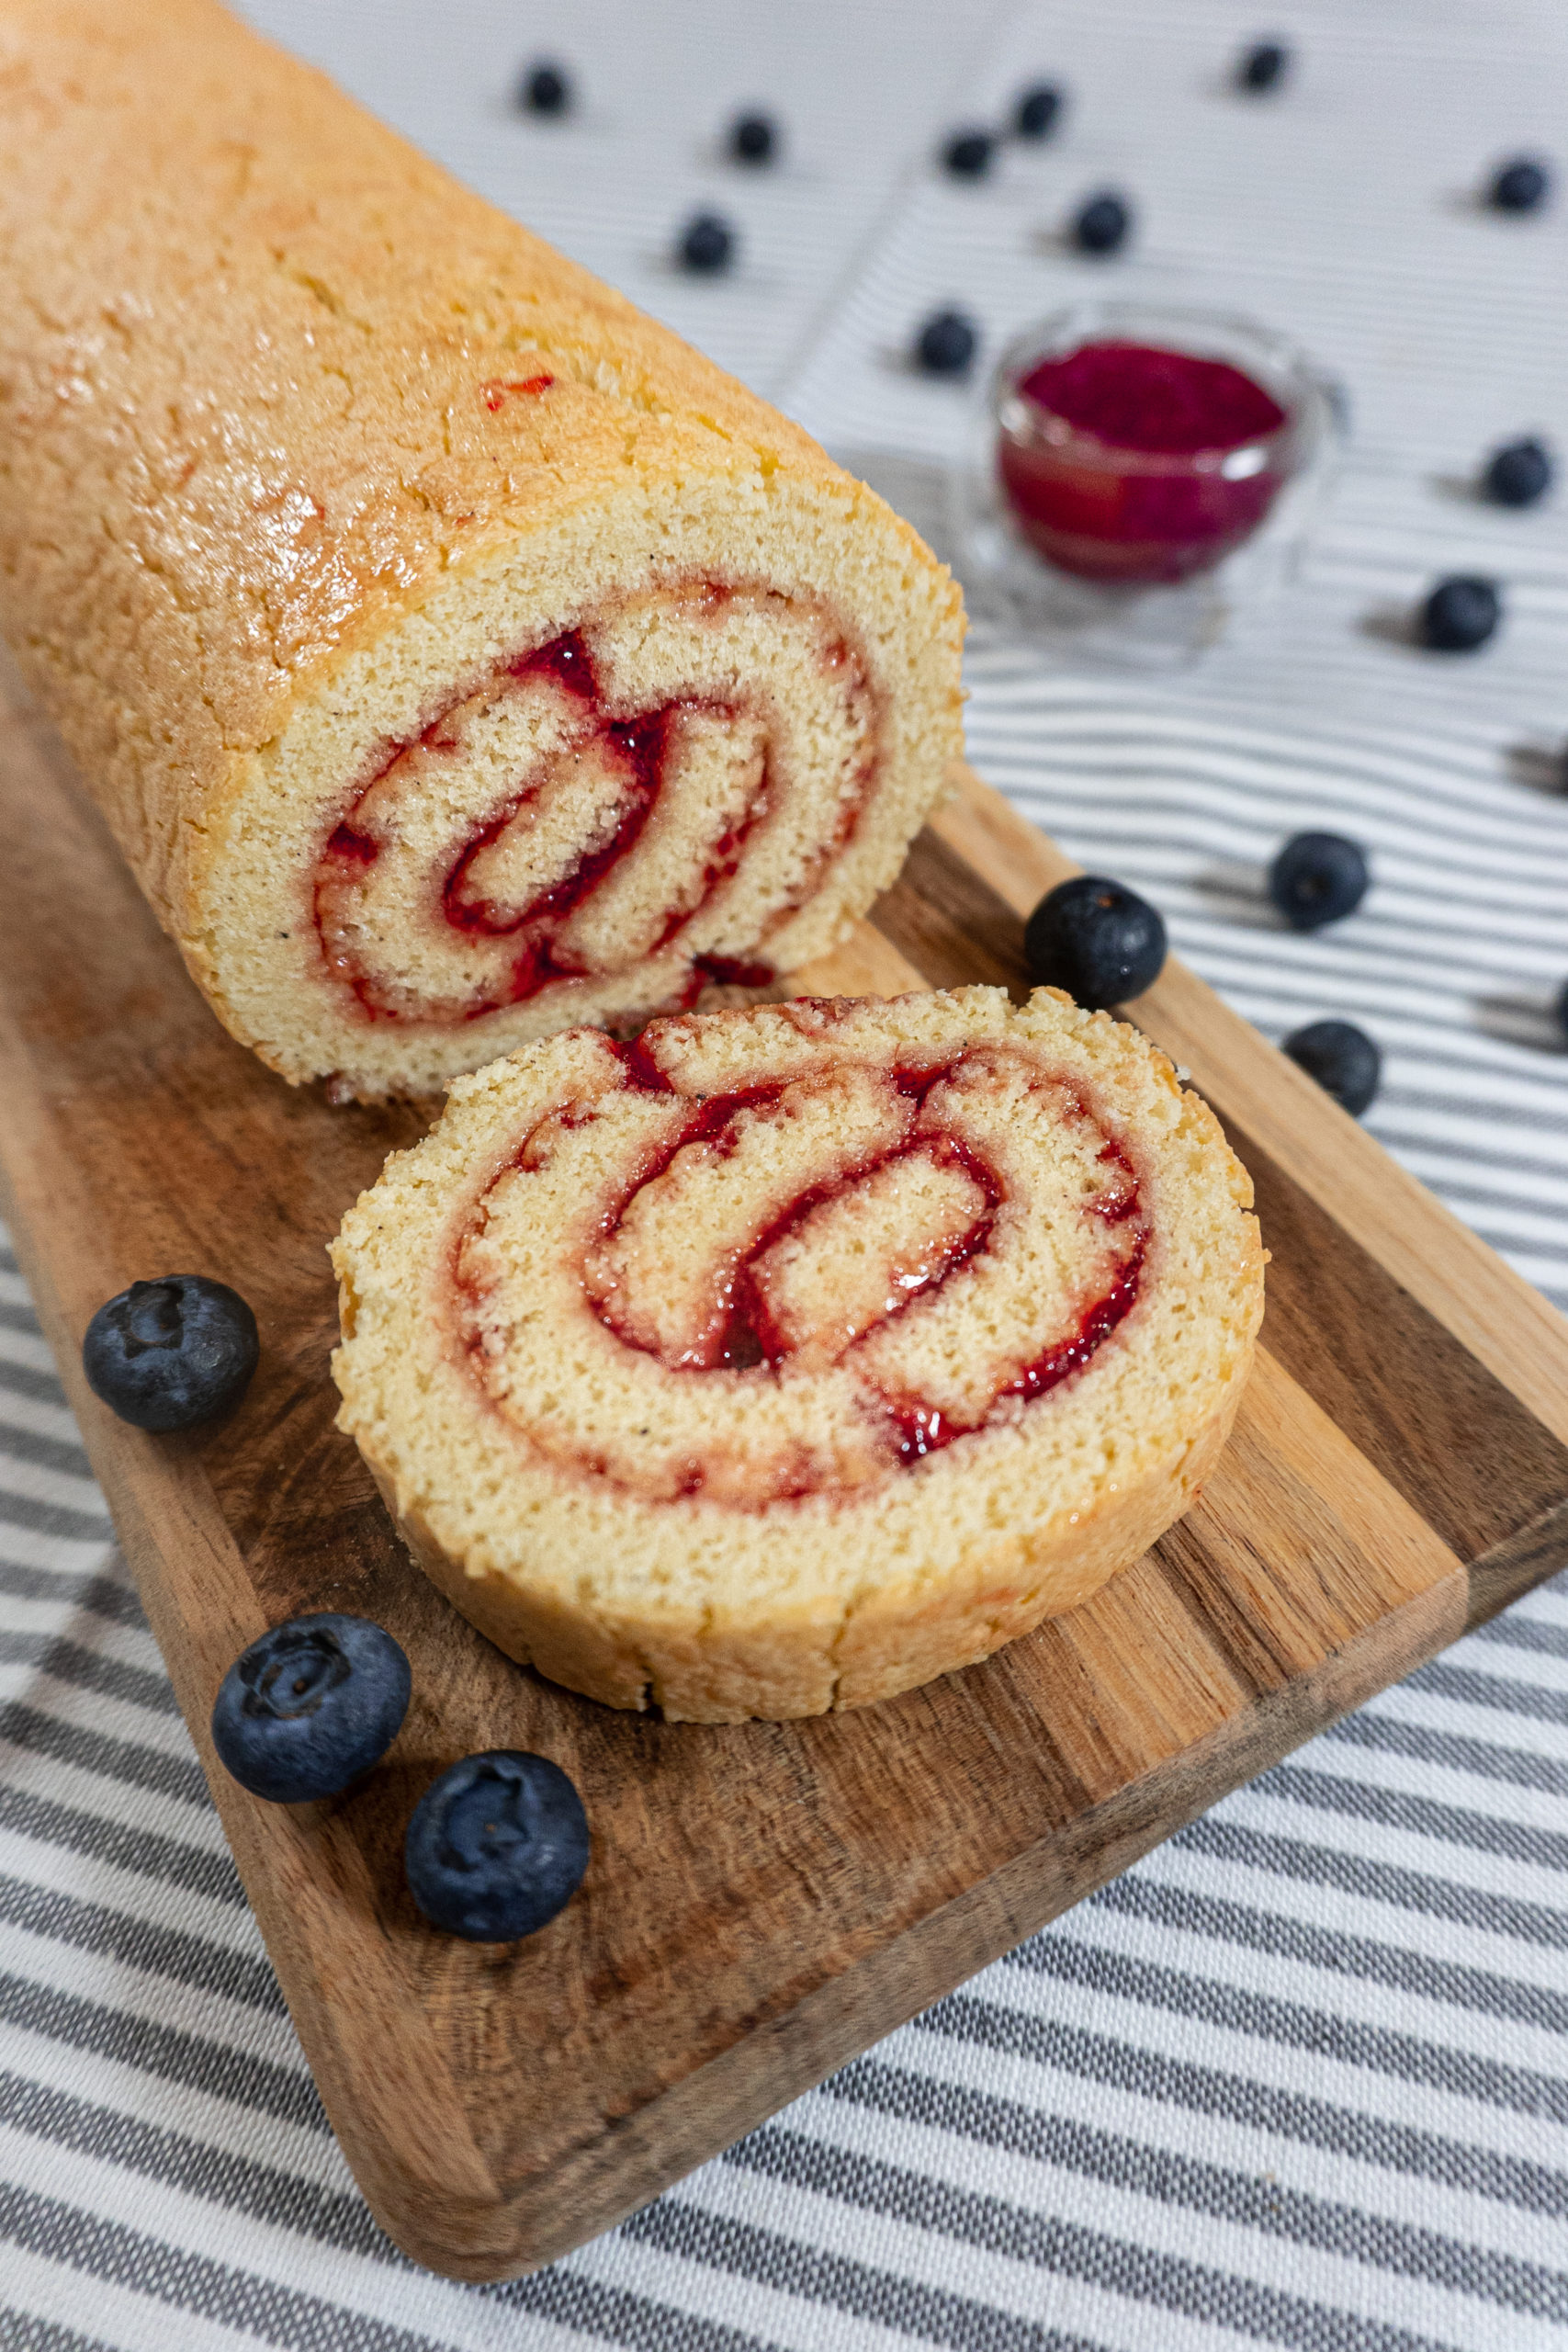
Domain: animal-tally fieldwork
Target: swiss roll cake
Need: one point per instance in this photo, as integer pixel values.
(789, 1355)
(456, 655)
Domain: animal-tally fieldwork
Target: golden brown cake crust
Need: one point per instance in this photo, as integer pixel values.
(266, 383)
(859, 1484)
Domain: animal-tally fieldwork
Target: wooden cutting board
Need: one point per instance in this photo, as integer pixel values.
(764, 1900)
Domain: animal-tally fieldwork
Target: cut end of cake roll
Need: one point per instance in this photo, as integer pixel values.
(457, 654)
(793, 1356)
(682, 740)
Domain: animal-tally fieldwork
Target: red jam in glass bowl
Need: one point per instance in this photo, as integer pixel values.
(1130, 461)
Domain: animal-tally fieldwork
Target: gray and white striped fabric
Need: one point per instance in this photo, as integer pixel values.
(1339, 216)
(1298, 2078)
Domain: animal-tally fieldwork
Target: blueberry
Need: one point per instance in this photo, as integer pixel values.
(754, 139)
(167, 1354)
(1521, 186)
(1101, 224)
(1518, 474)
(1342, 1058)
(1459, 614)
(1097, 939)
(967, 154)
(309, 1706)
(546, 89)
(945, 344)
(1263, 66)
(1035, 112)
(496, 1846)
(1316, 878)
(708, 244)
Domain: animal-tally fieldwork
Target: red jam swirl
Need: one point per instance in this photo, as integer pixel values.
(1121, 474)
(639, 749)
(748, 1335)
(743, 1336)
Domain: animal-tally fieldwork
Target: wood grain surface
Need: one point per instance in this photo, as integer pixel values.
(764, 1900)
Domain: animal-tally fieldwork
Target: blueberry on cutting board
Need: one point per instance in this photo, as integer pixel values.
(496, 1847)
(310, 1706)
(172, 1353)
(1343, 1059)
(1096, 939)
(1318, 879)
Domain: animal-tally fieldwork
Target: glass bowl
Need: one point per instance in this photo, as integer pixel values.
(1128, 456)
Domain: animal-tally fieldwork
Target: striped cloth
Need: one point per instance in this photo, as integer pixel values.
(1298, 2078)
(1339, 214)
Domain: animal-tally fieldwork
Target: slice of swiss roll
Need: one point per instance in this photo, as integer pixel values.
(795, 1354)
(456, 653)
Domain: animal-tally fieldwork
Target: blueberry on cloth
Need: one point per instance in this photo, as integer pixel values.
(1101, 224)
(546, 89)
(309, 1706)
(1518, 474)
(1036, 111)
(1342, 1057)
(168, 1355)
(1263, 66)
(1459, 614)
(496, 1846)
(945, 344)
(1318, 877)
(1097, 939)
(708, 244)
(1522, 184)
(754, 139)
(967, 154)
